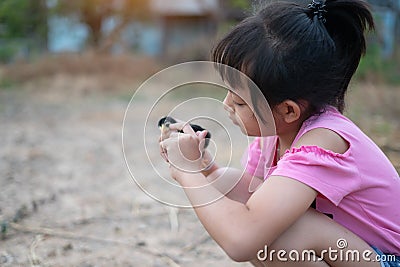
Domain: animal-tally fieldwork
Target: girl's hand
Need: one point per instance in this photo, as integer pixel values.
(165, 127)
(184, 151)
(165, 134)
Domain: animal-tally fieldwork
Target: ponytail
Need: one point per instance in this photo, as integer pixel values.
(346, 23)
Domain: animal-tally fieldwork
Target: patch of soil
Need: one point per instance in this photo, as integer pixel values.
(66, 197)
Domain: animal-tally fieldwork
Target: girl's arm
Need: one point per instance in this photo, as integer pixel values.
(243, 229)
(240, 229)
(235, 184)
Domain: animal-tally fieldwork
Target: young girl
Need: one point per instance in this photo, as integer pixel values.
(302, 59)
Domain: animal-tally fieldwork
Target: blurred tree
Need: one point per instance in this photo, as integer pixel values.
(235, 10)
(90, 12)
(93, 13)
(24, 19)
(242, 4)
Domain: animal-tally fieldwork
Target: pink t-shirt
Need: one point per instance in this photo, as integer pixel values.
(360, 188)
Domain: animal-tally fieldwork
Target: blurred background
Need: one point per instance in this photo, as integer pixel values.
(68, 69)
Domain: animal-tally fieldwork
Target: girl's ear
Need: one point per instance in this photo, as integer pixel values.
(290, 111)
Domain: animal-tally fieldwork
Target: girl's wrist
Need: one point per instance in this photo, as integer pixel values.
(191, 179)
(208, 165)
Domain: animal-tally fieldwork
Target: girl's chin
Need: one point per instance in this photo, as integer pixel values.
(243, 129)
(251, 134)
(233, 119)
(248, 132)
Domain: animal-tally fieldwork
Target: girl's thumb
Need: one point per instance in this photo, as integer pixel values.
(203, 134)
(202, 137)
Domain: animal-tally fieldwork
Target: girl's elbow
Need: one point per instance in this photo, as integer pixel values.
(240, 251)
(239, 257)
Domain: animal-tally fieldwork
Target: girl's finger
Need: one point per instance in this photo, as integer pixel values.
(174, 134)
(163, 144)
(202, 140)
(203, 134)
(163, 154)
(177, 126)
(188, 129)
(182, 126)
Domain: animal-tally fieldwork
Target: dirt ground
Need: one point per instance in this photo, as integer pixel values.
(66, 197)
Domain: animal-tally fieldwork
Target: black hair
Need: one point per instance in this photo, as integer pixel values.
(291, 52)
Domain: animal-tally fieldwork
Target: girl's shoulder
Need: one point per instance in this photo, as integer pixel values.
(324, 138)
(332, 137)
(329, 130)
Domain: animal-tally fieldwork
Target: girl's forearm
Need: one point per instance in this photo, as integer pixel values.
(224, 219)
(209, 165)
(233, 183)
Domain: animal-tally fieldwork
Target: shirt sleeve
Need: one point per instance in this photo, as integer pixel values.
(253, 160)
(331, 174)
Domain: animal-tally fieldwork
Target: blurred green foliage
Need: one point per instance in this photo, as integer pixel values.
(22, 18)
(23, 27)
(242, 4)
(7, 51)
(14, 17)
(375, 68)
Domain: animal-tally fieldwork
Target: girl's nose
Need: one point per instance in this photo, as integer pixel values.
(228, 102)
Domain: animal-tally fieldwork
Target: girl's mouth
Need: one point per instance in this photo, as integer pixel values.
(232, 117)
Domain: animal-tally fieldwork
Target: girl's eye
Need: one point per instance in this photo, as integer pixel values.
(238, 104)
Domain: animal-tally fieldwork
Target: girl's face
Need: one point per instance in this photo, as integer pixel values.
(241, 114)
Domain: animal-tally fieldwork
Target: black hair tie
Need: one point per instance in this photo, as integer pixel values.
(318, 8)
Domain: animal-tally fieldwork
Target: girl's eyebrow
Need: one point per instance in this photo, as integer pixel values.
(237, 96)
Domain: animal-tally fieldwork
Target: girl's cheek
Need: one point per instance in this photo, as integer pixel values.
(250, 115)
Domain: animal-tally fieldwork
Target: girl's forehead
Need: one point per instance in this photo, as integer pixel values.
(240, 85)
(241, 93)
(235, 95)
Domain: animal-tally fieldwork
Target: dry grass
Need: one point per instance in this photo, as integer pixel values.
(106, 69)
(375, 109)
(368, 103)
